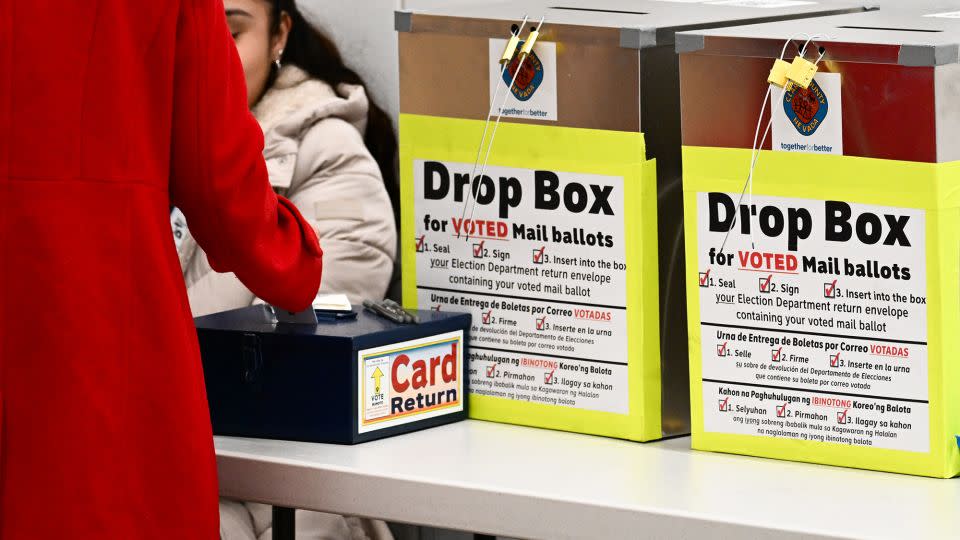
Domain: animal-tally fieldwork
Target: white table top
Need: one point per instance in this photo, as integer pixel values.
(531, 483)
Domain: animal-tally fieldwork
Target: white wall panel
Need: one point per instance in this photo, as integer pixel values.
(363, 29)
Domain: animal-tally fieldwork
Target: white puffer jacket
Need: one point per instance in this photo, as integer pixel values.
(316, 157)
(251, 521)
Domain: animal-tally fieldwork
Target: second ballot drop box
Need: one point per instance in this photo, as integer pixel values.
(827, 328)
(572, 263)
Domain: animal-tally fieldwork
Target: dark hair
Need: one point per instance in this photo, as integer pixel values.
(313, 52)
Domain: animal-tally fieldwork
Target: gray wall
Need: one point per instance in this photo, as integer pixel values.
(363, 29)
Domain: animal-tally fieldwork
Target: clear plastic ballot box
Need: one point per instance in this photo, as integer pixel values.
(824, 303)
(570, 257)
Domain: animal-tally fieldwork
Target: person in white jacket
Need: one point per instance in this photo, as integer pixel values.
(328, 148)
(332, 152)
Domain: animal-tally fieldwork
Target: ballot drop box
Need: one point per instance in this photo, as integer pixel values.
(824, 301)
(340, 381)
(570, 255)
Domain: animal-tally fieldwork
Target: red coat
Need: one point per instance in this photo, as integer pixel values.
(111, 111)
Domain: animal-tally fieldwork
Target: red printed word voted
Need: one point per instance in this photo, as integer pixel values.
(480, 227)
(757, 260)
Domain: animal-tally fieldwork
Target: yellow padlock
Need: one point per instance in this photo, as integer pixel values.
(511, 48)
(801, 72)
(528, 44)
(778, 73)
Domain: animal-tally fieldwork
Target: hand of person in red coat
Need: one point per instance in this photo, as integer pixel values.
(219, 179)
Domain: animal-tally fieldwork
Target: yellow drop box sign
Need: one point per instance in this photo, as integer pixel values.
(555, 258)
(824, 309)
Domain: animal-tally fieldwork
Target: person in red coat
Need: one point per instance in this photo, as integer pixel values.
(111, 111)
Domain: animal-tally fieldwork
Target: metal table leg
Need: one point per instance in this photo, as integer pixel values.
(284, 521)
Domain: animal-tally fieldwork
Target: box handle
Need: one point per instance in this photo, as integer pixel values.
(251, 357)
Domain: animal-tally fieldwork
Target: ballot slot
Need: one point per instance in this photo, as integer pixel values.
(820, 294)
(891, 29)
(598, 10)
(307, 316)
